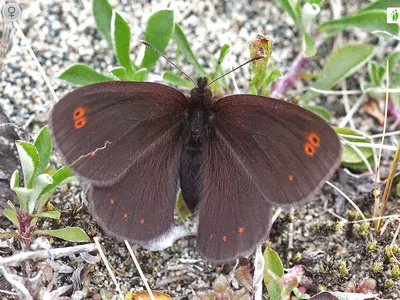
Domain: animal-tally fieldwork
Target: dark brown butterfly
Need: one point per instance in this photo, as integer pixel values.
(233, 158)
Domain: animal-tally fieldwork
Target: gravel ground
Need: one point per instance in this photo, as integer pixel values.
(62, 33)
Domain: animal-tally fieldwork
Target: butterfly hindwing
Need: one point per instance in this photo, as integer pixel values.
(105, 127)
(234, 216)
(140, 207)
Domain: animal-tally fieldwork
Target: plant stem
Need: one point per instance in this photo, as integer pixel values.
(279, 89)
(290, 77)
(388, 186)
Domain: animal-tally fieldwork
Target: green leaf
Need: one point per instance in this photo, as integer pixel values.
(350, 157)
(8, 235)
(318, 2)
(182, 208)
(393, 59)
(23, 195)
(369, 21)
(140, 75)
(382, 4)
(252, 90)
(121, 38)
(292, 7)
(102, 12)
(14, 181)
(309, 45)
(62, 176)
(72, 234)
(54, 214)
(183, 46)
(373, 73)
(320, 111)
(11, 205)
(342, 63)
(176, 80)
(273, 272)
(81, 74)
(44, 147)
(160, 27)
(40, 182)
(222, 54)
(274, 74)
(12, 216)
(119, 72)
(29, 158)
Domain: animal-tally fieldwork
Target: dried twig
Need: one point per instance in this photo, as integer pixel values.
(45, 254)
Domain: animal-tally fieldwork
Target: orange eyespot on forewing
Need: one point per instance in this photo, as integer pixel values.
(309, 149)
(79, 112)
(79, 116)
(313, 139)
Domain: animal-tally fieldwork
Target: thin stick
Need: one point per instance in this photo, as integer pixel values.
(389, 183)
(110, 271)
(352, 111)
(368, 145)
(45, 254)
(258, 274)
(350, 201)
(396, 234)
(34, 58)
(146, 284)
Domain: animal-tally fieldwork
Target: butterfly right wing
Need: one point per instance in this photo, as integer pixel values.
(106, 127)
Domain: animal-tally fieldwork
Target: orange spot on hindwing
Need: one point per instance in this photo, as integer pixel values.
(211, 236)
(141, 221)
(241, 229)
(291, 177)
(224, 238)
(79, 117)
(112, 201)
(125, 216)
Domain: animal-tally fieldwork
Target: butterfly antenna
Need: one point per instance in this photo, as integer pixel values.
(168, 60)
(249, 61)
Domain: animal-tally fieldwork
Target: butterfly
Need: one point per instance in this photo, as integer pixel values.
(234, 158)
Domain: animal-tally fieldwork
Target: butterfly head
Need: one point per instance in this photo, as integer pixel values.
(201, 93)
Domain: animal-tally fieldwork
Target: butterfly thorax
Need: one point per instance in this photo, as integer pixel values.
(200, 113)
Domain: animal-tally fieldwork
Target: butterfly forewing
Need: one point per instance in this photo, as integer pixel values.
(287, 151)
(104, 128)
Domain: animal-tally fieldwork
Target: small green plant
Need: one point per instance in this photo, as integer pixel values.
(38, 186)
(280, 285)
(116, 31)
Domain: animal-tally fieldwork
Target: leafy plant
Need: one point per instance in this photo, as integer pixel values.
(39, 184)
(281, 286)
(116, 31)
